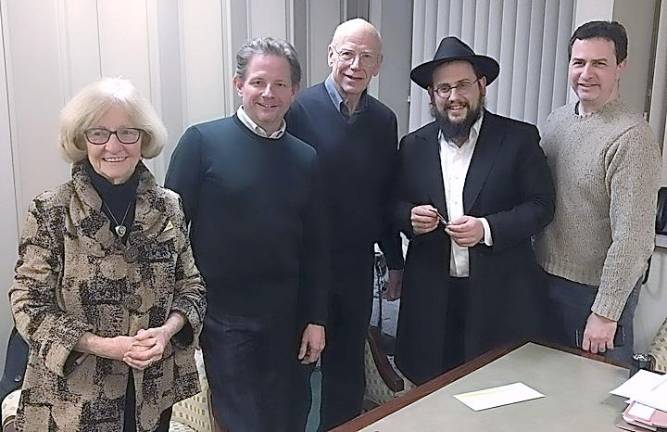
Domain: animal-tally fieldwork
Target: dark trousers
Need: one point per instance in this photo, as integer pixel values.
(569, 305)
(455, 323)
(301, 396)
(129, 422)
(350, 303)
(249, 364)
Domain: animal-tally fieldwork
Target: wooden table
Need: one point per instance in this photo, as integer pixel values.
(576, 386)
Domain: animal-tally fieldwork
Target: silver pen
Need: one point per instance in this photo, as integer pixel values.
(441, 218)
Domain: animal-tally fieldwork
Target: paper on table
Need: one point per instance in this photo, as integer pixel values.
(639, 384)
(656, 397)
(641, 411)
(498, 396)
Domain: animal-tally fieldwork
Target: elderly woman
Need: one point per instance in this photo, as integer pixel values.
(106, 291)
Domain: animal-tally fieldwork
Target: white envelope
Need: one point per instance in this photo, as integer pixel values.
(498, 396)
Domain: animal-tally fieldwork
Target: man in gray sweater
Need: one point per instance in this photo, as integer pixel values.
(606, 165)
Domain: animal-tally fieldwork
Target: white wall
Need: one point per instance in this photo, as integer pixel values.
(393, 19)
(8, 216)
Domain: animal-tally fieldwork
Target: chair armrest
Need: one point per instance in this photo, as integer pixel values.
(658, 350)
(385, 369)
(657, 365)
(9, 406)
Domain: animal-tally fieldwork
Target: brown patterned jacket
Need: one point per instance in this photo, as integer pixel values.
(72, 276)
(658, 348)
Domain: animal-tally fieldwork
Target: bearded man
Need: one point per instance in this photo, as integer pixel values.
(473, 188)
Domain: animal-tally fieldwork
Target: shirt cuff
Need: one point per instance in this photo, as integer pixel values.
(488, 240)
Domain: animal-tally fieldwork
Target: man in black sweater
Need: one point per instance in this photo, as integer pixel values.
(356, 139)
(251, 194)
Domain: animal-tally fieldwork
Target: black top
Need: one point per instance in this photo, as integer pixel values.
(119, 198)
(358, 155)
(255, 219)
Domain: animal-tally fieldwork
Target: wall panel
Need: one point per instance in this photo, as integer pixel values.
(8, 215)
(124, 42)
(35, 95)
(202, 63)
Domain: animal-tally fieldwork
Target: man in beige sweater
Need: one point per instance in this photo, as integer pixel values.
(606, 163)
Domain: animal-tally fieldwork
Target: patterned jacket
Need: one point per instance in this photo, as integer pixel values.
(658, 349)
(74, 276)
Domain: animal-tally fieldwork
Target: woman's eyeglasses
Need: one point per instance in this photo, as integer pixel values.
(100, 136)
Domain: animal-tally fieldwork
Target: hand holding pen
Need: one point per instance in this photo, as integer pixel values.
(426, 218)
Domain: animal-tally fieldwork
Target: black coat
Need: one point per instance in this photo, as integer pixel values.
(508, 183)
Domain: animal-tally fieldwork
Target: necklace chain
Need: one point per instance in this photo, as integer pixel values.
(119, 228)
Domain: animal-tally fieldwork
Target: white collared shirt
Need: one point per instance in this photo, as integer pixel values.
(455, 162)
(257, 129)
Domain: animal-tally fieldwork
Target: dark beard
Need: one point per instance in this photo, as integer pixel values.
(460, 130)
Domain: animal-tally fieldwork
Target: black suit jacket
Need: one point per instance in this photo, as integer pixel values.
(509, 183)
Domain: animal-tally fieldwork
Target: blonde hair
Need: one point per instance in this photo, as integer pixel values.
(90, 105)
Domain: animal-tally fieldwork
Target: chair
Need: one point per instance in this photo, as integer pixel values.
(658, 350)
(10, 405)
(383, 381)
(194, 414)
(16, 359)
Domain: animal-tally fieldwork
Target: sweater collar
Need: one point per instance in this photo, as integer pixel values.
(608, 108)
(257, 129)
(338, 100)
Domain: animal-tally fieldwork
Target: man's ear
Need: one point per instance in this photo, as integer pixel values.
(482, 86)
(378, 65)
(621, 66)
(238, 85)
(330, 55)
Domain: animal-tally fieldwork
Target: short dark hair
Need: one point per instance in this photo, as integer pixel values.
(610, 30)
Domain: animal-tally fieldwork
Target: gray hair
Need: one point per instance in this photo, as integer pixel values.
(90, 105)
(268, 46)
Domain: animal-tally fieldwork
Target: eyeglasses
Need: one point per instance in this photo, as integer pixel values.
(366, 59)
(100, 136)
(464, 87)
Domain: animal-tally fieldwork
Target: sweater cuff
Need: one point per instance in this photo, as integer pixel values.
(608, 306)
(193, 322)
(60, 357)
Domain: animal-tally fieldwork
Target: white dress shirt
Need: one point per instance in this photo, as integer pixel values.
(455, 162)
(257, 129)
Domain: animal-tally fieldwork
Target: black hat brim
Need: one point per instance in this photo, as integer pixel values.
(422, 75)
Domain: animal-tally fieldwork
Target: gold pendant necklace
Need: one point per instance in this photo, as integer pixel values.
(120, 228)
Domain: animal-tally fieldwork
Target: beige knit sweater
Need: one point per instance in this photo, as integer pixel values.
(606, 170)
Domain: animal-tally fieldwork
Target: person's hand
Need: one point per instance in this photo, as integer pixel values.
(424, 219)
(598, 334)
(394, 285)
(466, 231)
(148, 347)
(113, 348)
(312, 344)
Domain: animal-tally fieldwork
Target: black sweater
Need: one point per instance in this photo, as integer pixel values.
(255, 219)
(359, 158)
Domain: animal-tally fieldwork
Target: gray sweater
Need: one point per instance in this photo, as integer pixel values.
(606, 170)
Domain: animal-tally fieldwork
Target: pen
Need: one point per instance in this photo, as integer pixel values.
(441, 218)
